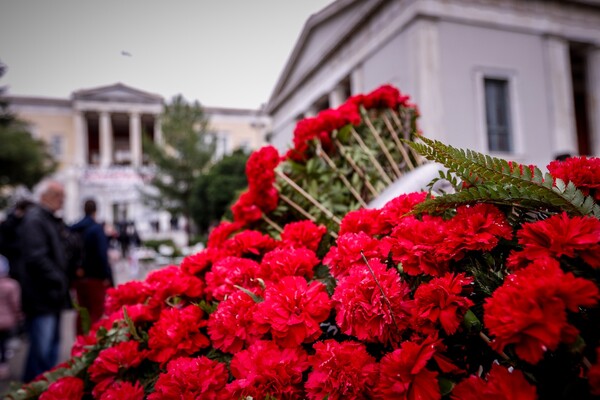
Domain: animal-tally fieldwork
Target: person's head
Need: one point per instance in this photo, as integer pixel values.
(50, 194)
(89, 208)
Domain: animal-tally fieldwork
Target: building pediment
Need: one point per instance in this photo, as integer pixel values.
(117, 93)
(321, 35)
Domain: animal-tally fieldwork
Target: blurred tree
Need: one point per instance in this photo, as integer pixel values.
(23, 159)
(187, 152)
(214, 191)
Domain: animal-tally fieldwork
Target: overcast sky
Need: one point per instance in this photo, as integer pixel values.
(225, 53)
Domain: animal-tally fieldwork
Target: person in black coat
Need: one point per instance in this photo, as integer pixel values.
(94, 275)
(44, 282)
(9, 241)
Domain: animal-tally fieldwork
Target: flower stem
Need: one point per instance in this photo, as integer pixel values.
(368, 152)
(297, 207)
(385, 298)
(308, 197)
(487, 340)
(356, 168)
(272, 223)
(382, 146)
(405, 130)
(399, 145)
(344, 180)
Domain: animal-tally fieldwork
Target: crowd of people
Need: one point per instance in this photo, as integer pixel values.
(46, 267)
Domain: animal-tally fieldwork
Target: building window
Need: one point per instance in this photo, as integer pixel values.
(497, 115)
(56, 146)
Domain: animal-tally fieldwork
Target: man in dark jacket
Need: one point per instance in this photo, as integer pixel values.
(94, 275)
(44, 281)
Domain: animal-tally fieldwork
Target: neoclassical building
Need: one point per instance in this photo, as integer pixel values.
(514, 78)
(97, 134)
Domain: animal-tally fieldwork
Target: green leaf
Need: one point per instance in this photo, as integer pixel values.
(446, 386)
(131, 325)
(254, 297)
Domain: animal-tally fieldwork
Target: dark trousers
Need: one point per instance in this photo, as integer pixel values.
(4, 336)
(43, 332)
(90, 295)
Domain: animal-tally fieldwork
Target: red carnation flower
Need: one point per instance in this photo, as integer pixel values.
(364, 312)
(396, 209)
(230, 272)
(477, 227)
(501, 383)
(82, 342)
(249, 243)
(561, 235)
(582, 171)
(220, 233)
(303, 234)
(403, 373)
(113, 361)
(347, 254)
(233, 326)
(245, 210)
(529, 309)
(192, 378)
(385, 96)
(260, 166)
(266, 198)
(341, 371)
(288, 262)
(68, 387)
(265, 369)
(202, 261)
(421, 245)
(121, 390)
(177, 333)
(439, 301)
(134, 292)
(293, 310)
(171, 282)
(362, 220)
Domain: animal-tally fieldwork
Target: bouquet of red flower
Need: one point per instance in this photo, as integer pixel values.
(491, 291)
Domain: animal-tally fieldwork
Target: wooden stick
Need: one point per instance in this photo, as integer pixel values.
(418, 157)
(382, 146)
(302, 211)
(345, 181)
(297, 207)
(399, 145)
(308, 197)
(364, 147)
(356, 168)
(272, 223)
(383, 295)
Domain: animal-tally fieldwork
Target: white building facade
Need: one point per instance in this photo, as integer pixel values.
(96, 136)
(518, 79)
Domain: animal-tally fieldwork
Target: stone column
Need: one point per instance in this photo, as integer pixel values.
(428, 77)
(81, 140)
(564, 136)
(356, 80)
(336, 97)
(106, 140)
(158, 137)
(594, 98)
(135, 139)
(310, 112)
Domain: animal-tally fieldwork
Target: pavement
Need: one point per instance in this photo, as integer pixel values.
(124, 270)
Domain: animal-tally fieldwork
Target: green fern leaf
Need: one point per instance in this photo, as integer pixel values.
(504, 183)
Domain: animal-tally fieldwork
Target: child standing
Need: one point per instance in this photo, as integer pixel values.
(10, 312)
